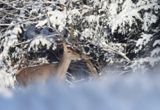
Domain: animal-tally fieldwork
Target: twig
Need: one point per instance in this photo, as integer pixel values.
(106, 47)
(7, 24)
(10, 5)
(48, 18)
(25, 42)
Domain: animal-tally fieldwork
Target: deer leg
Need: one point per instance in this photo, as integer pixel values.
(92, 69)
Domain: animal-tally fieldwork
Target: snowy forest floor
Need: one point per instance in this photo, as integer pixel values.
(137, 91)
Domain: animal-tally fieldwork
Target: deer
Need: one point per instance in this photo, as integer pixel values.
(43, 72)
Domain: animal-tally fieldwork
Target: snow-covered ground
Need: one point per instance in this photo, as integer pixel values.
(135, 91)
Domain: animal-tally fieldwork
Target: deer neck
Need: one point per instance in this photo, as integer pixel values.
(63, 66)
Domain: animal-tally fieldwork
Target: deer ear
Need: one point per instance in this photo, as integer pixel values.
(64, 47)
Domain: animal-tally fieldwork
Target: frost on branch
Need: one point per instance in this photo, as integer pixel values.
(123, 17)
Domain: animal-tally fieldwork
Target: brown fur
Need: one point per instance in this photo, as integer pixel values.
(43, 72)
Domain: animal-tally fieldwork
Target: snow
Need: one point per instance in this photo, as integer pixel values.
(129, 14)
(131, 92)
(41, 23)
(10, 41)
(88, 33)
(157, 42)
(155, 52)
(92, 18)
(62, 1)
(140, 63)
(149, 18)
(6, 79)
(126, 16)
(17, 29)
(145, 38)
(34, 44)
(6, 92)
(57, 18)
(72, 14)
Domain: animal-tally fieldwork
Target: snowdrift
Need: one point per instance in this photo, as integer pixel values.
(135, 91)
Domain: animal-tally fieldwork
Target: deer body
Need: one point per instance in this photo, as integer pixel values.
(36, 73)
(43, 72)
